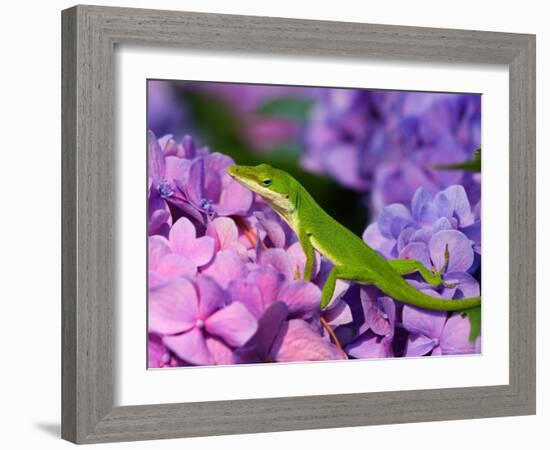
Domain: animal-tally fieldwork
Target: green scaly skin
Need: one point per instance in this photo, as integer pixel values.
(352, 258)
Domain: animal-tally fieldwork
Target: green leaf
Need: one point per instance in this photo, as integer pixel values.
(474, 315)
(286, 107)
(472, 165)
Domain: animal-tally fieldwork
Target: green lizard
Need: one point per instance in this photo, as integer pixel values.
(353, 259)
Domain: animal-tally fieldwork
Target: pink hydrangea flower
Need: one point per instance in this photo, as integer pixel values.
(198, 321)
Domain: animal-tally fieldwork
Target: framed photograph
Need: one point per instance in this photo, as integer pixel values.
(276, 224)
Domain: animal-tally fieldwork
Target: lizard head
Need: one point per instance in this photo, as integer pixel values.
(275, 186)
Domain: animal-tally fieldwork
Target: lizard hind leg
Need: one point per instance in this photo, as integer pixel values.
(410, 266)
(341, 273)
(328, 288)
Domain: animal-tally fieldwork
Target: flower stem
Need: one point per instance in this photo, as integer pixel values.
(248, 232)
(333, 336)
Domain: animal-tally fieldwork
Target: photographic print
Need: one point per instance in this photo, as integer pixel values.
(294, 224)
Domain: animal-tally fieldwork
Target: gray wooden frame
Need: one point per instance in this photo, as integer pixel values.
(89, 35)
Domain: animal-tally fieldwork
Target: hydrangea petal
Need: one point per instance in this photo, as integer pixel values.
(422, 208)
(272, 225)
(181, 235)
(298, 342)
(234, 324)
(381, 316)
(302, 298)
(212, 297)
(164, 141)
(369, 345)
(220, 352)
(269, 282)
(453, 201)
(173, 307)
(419, 345)
(157, 354)
(393, 219)
(339, 314)
(269, 325)
(190, 346)
(194, 188)
(375, 239)
(455, 339)
(177, 168)
(155, 159)
(466, 285)
(188, 148)
(473, 232)
(461, 253)
(279, 260)
(224, 231)
(418, 251)
(428, 323)
(157, 218)
(227, 266)
(298, 260)
(176, 266)
(158, 247)
(247, 293)
(425, 234)
(218, 162)
(212, 185)
(405, 237)
(234, 200)
(200, 251)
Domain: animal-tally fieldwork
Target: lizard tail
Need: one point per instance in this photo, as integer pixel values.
(406, 293)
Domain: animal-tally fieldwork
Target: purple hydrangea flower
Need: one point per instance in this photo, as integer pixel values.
(181, 254)
(225, 272)
(376, 332)
(400, 232)
(210, 189)
(190, 181)
(277, 232)
(388, 142)
(162, 172)
(298, 341)
(435, 332)
(198, 321)
(158, 355)
(265, 285)
(226, 267)
(438, 232)
(279, 339)
(164, 265)
(226, 236)
(183, 240)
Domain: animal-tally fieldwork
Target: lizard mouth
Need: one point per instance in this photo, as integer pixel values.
(232, 171)
(238, 175)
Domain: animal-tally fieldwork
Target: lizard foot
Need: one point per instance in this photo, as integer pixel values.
(439, 273)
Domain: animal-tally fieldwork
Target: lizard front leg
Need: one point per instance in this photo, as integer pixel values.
(307, 247)
(328, 288)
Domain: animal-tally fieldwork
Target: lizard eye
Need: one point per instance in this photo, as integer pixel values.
(266, 182)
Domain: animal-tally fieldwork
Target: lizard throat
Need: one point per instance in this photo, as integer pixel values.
(287, 214)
